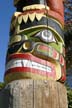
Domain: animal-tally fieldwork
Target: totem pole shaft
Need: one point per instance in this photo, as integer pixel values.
(33, 94)
(35, 62)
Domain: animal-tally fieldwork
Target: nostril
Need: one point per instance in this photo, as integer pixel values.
(27, 45)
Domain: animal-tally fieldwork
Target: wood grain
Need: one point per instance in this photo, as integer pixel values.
(33, 94)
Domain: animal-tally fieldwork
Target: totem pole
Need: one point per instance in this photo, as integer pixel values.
(35, 61)
(36, 48)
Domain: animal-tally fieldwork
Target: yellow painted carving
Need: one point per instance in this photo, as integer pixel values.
(15, 39)
(32, 17)
(36, 6)
(25, 18)
(19, 19)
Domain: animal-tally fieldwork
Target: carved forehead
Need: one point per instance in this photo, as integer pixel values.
(28, 2)
(32, 1)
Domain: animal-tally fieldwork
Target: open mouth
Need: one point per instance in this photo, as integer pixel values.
(21, 66)
(27, 63)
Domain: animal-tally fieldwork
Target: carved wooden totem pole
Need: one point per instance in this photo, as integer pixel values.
(35, 62)
(36, 49)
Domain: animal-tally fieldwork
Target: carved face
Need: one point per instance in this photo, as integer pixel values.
(36, 47)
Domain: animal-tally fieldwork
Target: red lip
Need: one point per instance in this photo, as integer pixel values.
(31, 70)
(30, 57)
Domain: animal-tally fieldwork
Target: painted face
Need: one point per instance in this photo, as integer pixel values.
(36, 47)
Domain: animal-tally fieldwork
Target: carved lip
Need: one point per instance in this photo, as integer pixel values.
(28, 63)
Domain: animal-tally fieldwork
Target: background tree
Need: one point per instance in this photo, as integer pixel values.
(2, 85)
(68, 39)
(69, 95)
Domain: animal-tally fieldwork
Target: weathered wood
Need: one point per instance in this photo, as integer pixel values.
(33, 94)
(49, 94)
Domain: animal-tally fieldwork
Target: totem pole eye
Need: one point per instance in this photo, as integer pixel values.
(46, 36)
(27, 45)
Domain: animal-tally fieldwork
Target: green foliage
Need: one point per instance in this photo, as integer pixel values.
(2, 85)
(69, 95)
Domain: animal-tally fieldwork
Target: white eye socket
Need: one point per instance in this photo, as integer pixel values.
(46, 36)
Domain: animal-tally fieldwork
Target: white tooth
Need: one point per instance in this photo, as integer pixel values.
(9, 64)
(13, 64)
(34, 63)
(27, 63)
(39, 16)
(41, 68)
(22, 63)
(32, 17)
(37, 66)
(25, 18)
(18, 63)
(19, 19)
(48, 69)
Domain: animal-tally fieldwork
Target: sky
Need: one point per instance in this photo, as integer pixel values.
(6, 11)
